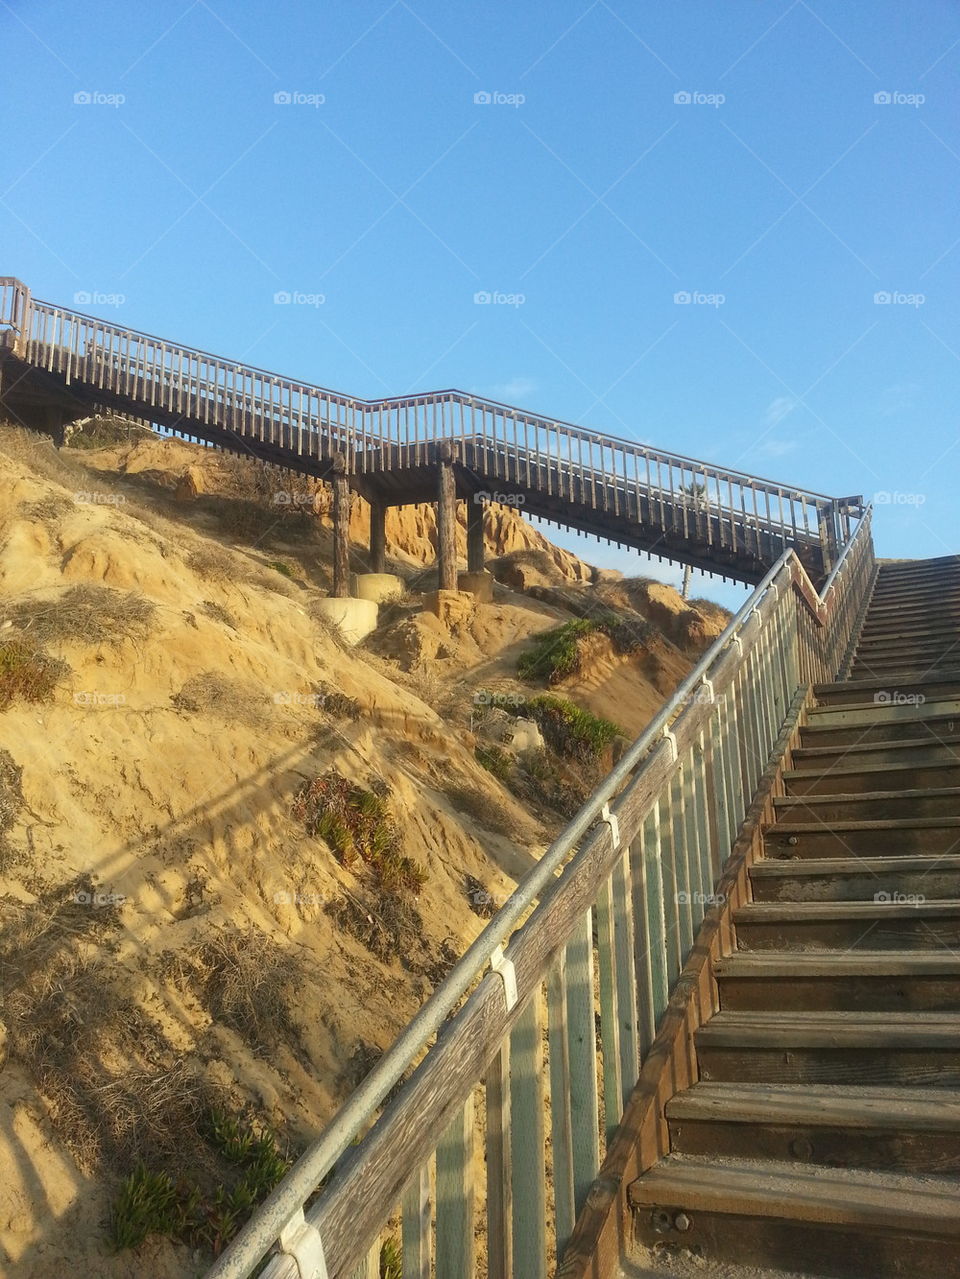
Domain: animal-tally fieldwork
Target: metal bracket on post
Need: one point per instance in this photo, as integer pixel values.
(671, 738)
(613, 823)
(708, 685)
(739, 643)
(504, 967)
(302, 1242)
(755, 612)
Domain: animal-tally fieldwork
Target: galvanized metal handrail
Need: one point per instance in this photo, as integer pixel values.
(783, 636)
(735, 510)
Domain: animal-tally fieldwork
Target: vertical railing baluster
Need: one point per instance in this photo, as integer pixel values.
(561, 1122)
(455, 1200)
(609, 1009)
(499, 1168)
(527, 1143)
(582, 1041)
(416, 1229)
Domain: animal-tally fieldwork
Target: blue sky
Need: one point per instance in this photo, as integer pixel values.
(619, 154)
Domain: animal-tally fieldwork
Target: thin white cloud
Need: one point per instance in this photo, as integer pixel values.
(778, 409)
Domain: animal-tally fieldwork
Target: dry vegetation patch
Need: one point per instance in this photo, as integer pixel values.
(224, 698)
(95, 614)
(27, 674)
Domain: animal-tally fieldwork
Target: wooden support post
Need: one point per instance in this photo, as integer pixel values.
(447, 525)
(378, 537)
(475, 548)
(341, 530)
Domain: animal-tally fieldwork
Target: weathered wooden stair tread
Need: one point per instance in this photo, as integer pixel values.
(882, 711)
(796, 867)
(787, 964)
(880, 823)
(789, 1029)
(866, 797)
(800, 912)
(846, 1105)
(802, 1192)
(879, 771)
(871, 747)
(879, 682)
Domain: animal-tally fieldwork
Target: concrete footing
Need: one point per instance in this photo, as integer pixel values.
(376, 586)
(353, 618)
(451, 607)
(479, 585)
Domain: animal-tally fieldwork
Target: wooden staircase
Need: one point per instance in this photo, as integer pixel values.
(824, 1132)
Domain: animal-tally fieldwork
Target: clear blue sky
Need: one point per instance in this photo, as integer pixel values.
(583, 186)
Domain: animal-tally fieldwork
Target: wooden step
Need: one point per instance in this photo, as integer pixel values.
(888, 1129)
(906, 627)
(866, 716)
(856, 981)
(910, 657)
(937, 728)
(785, 1046)
(854, 878)
(930, 801)
(918, 750)
(870, 838)
(895, 675)
(842, 778)
(891, 921)
(938, 601)
(835, 1222)
(926, 686)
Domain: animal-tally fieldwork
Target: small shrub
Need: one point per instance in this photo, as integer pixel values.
(27, 674)
(11, 802)
(573, 732)
(278, 566)
(493, 758)
(391, 1260)
(91, 614)
(555, 654)
(217, 613)
(212, 564)
(227, 699)
(358, 825)
(146, 1205)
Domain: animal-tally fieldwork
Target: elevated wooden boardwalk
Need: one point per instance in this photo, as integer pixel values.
(57, 363)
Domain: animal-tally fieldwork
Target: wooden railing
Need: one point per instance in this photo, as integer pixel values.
(189, 390)
(603, 924)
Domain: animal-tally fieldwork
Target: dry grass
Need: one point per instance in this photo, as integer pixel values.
(115, 1089)
(49, 510)
(246, 981)
(37, 453)
(11, 804)
(212, 564)
(217, 613)
(84, 613)
(102, 432)
(27, 674)
(231, 700)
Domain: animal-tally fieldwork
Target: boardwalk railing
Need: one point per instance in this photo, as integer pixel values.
(192, 391)
(511, 1062)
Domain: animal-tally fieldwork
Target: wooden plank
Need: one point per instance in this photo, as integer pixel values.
(527, 1143)
(609, 1010)
(499, 1168)
(455, 1200)
(625, 938)
(561, 1124)
(581, 1038)
(416, 1228)
(446, 526)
